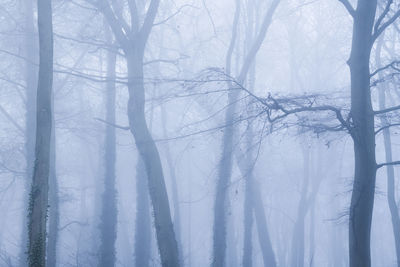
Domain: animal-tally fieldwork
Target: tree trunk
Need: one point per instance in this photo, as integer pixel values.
(54, 216)
(362, 132)
(166, 241)
(260, 217)
(108, 221)
(225, 164)
(143, 219)
(297, 251)
(174, 187)
(40, 183)
(262, 229)
(30, 119)
(391, 196)
(248, 220)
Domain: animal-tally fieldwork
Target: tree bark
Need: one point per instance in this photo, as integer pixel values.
(40, 183)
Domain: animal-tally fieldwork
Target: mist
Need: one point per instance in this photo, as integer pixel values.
(199, 133)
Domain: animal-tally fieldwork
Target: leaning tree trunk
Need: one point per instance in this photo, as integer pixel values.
(108, 220)
(362, 132)
(174, 188)
(40, 183)
(166, 241)
(391, 196)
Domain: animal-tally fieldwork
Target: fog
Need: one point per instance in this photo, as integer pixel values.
(199, 133)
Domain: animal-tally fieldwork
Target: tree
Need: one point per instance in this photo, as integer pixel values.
(133, 39)
(38, 201)
(387, 141)
(362, 131)
(225, 164)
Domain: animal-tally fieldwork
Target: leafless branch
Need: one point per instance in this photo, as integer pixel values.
(380, 29)
(386, 127)
(348, 6)
(387, 164)
(386, 110)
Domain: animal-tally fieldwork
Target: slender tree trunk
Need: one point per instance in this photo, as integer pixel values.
(297, 251)
(30, 118)
(108, 221)
(260, 216)
(262, 229)
(225, 164)
(54, 216)
(391, 196)
(362, 132)
(248, 221)
(40, 183)
(143, 219)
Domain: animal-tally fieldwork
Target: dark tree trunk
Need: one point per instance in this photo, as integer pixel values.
(108, 221)
(40, 183)
(362, 132)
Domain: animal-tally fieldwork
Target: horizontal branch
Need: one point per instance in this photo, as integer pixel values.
(387, 164)
(386, 110)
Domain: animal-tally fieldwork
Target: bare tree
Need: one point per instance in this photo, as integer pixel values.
(225, 164)
(133, 39)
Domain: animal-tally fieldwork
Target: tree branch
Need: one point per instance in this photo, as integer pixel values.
(379, 30)
(104, 7)
(382, 16)
(390, 65)
(387, 164)
(386, 127)
(148, 21)
(348, 6)
(386, 110)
